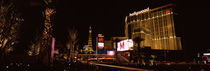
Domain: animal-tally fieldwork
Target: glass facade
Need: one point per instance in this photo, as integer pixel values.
(156, 27)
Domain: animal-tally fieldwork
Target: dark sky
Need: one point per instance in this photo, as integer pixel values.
(107, 17)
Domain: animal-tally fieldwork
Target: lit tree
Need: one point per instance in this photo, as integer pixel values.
(47, 34)
(72, 40)
(35, 46)
(10, 21)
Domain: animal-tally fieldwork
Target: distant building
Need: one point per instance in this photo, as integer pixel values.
(115, 40)
(108, 44)
(90, 43)
(155, 26)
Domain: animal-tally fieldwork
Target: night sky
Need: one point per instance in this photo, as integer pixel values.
(107, 17)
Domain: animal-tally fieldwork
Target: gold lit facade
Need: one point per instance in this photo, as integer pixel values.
(90, 45)
(155, 26)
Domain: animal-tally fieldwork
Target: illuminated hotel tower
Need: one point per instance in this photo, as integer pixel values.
(155, 26)
(90, 45)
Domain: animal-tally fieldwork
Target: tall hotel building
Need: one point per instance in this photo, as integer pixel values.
(155, 26)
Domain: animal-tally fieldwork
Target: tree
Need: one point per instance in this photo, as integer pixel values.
(10, 21)
(72, 40)
(34, 47)
(138, 40)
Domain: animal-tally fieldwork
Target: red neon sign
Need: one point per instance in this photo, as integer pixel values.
(100, 39)
(168, 11)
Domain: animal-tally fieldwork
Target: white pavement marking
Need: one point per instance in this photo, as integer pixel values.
(122, 67)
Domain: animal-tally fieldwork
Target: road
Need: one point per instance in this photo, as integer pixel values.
(120, 67)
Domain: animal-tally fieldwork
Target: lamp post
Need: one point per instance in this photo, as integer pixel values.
(115, 41)
(96, 45)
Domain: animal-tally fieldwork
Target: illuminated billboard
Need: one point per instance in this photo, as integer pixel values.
(125, 45)
(100, 41)
(206, 56)
(110, 52)
(100, 45)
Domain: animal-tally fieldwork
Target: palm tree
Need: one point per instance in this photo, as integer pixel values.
(138, 40)
(10, 20)
(72, 40)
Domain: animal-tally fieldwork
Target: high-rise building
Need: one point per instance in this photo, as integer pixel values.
(155, 26)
